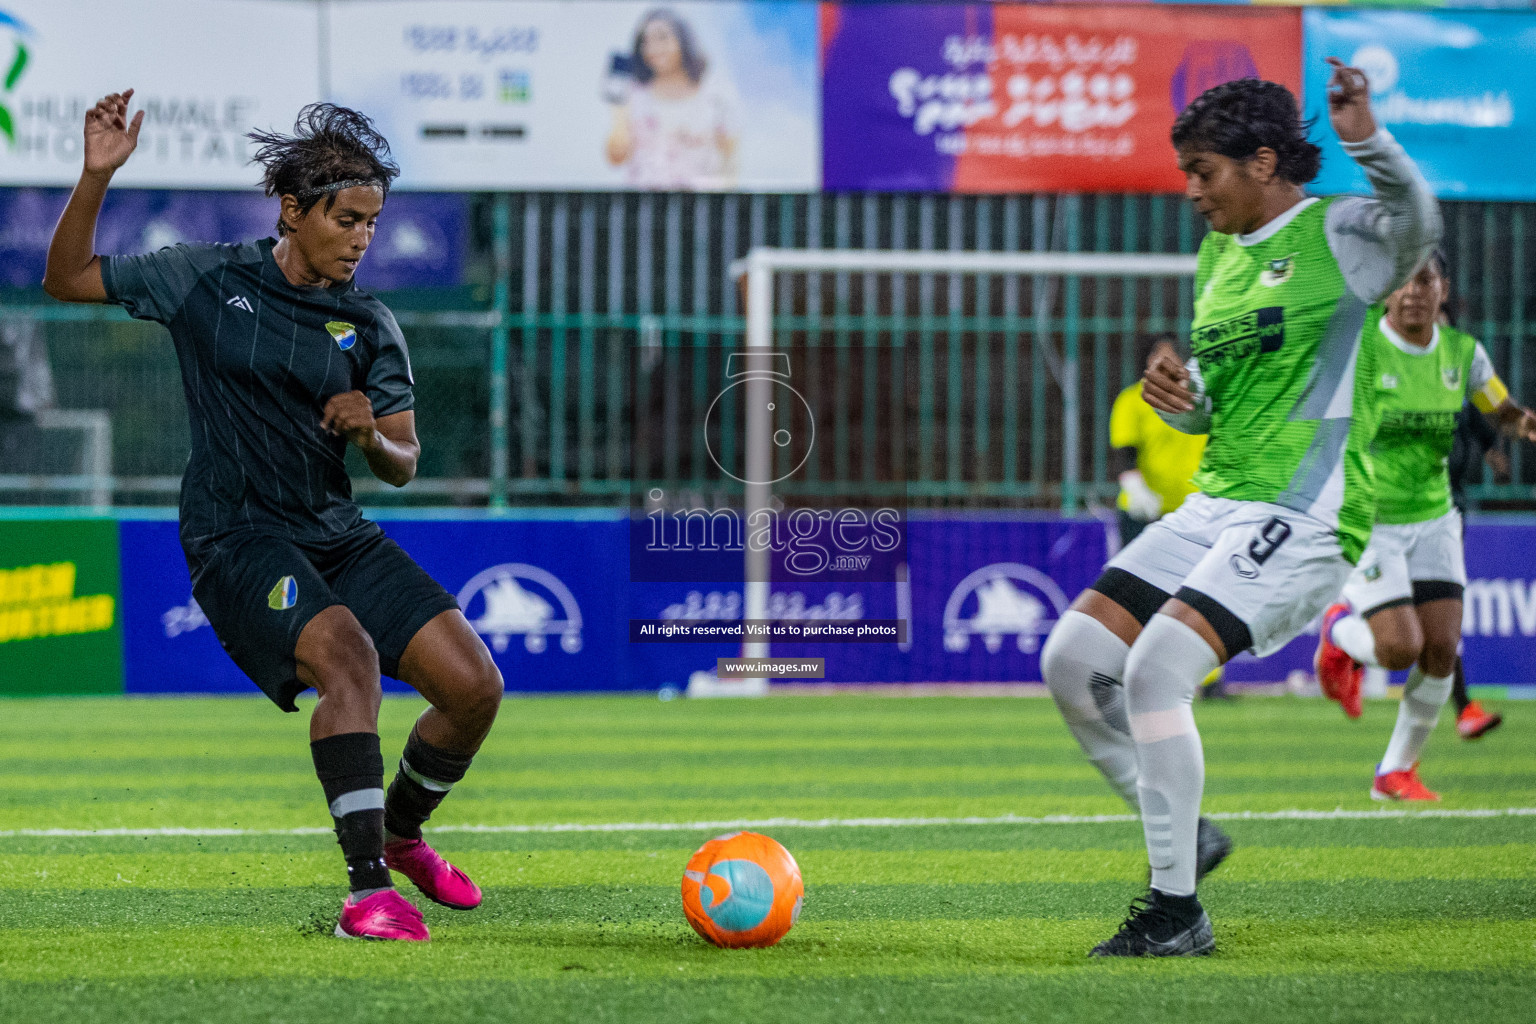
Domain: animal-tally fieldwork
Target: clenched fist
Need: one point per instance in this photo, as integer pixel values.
(351, 414)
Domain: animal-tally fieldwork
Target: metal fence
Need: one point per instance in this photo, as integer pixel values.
(537, 394)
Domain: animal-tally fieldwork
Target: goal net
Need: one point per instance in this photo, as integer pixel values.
(874, 381)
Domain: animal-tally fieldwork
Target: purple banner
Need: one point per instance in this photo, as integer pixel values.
(553, 601)
(421, 239)
(863, 145)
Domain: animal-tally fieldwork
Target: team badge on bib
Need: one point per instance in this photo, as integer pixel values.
(1277, 272)
(344, 333)
(284, 595)
(1388, 381)
(1452, 377)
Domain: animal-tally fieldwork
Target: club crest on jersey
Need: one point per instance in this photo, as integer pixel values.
(1451, 375)
(344, 333)
(283, 595)
(1277, 272)
(1388, 381)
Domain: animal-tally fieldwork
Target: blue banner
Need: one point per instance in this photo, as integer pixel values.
(420, 243)
(1456, 89)
(553, 600)
(546, 596)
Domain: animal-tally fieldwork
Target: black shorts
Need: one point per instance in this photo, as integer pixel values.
(260, 591)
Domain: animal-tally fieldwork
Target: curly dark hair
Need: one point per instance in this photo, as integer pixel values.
(693, 61)
(1237, 119)
(330, 145)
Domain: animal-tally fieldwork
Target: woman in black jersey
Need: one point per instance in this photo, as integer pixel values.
(284, 363)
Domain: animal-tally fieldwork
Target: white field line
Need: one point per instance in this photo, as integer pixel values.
(1337, 814)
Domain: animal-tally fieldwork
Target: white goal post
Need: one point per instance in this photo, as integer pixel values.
(760, 268)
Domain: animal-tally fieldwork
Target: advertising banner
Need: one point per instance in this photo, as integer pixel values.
(203, 73)
(553, 601)
(168, 646)
(1456, 89)
(1513, 5)
(546, 596)
(482, 94)
(59, 608)
(422, 238)
(1021, 98)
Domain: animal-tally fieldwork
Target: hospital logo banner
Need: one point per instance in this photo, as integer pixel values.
(1023, 98)
(204, 74)
(1456, 89)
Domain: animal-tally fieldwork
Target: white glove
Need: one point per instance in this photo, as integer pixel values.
(1143, 502)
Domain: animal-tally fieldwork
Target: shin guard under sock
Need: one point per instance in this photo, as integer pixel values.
(1423, 696)
(351, 769)
(426, 775)
(1162, 673)
(1083, 662)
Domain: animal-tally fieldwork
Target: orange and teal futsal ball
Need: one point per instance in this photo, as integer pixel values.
(742, 890)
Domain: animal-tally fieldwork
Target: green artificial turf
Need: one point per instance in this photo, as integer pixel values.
(1390, 919)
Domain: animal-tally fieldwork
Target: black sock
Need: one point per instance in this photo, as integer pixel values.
(1184, 906)
(426, 775)
(1459, 688)
(351, 769)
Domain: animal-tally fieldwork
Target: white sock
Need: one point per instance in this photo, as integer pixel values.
(1083, 663)
(1423, 697)
(1352, 635)
(1163, 671)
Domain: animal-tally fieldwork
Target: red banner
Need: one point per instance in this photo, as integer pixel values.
(1082, 98)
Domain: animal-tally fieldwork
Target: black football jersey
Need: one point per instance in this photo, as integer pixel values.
(260, 357)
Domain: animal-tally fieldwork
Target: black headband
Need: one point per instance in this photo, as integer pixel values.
(337, 186)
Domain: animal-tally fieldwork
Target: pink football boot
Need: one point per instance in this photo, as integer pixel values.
(438, 880)
(384, 915)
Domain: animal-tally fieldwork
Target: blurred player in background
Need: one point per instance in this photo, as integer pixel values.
(1402, 605)
(284, 363)
(1475, 442)
(1155, 465)
(1280, 382)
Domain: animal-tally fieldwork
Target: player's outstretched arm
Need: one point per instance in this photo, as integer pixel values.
(1379, 242)
(73, 272)
(388, 443)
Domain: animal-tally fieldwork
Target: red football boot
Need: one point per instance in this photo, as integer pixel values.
(1403, 785)
(1474, 721)
(1338, 674)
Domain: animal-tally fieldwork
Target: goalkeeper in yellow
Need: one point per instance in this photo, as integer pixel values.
(1155, 464)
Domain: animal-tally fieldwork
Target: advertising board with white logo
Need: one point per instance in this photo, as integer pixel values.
(203, 73)
(1029, 97)
(1455, 88)
(495, 95)
(553, 601)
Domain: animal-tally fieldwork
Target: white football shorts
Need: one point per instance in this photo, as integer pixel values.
(1250, 566)
(1402, 558)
